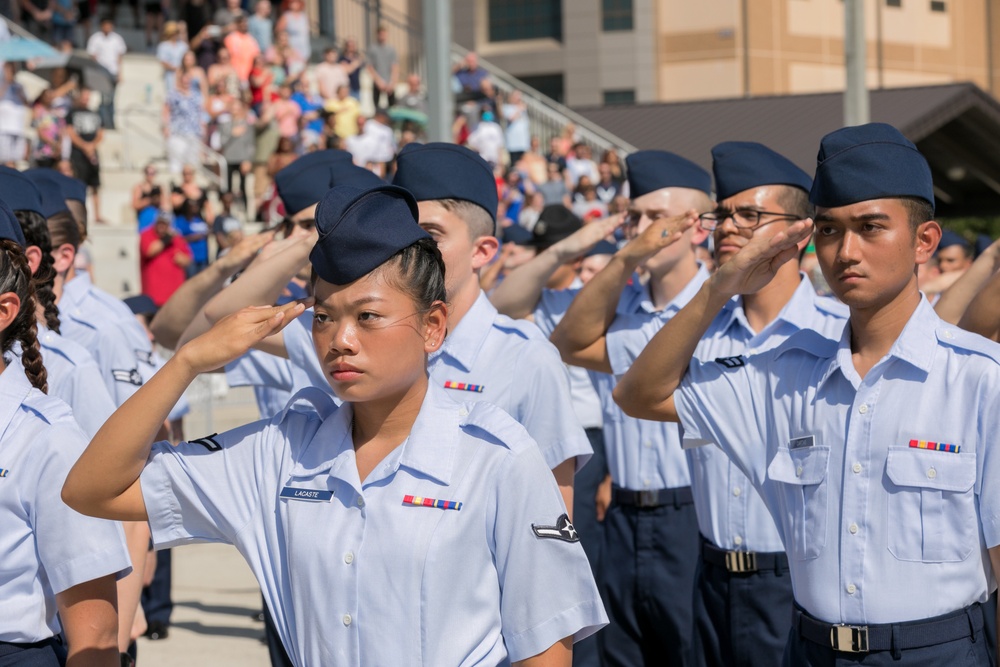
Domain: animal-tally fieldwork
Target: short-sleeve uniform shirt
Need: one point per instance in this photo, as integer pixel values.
(731, 514)
(642, 454)
(884, 489)
(75, 378)
(491, 357)
(47, 547)
(93, 319)
(341, 560)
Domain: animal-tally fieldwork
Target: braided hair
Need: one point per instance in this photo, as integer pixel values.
(36, 233)
(15, 276)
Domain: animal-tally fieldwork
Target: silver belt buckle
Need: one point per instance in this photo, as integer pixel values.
(741, 561)
(647, 498)
(849, 638)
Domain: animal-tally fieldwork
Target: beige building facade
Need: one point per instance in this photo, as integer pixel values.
(592, 52)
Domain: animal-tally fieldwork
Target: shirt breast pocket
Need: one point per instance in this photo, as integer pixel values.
(801, 480)
(932, 511)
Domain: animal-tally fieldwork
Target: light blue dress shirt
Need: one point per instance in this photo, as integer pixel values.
(641, 454)
(517, 369)
(731, 514)
(270, 377)
(97, 321)
(75, 378)
(877, 528)
(474, 586)
(47, 547)
(548, 314)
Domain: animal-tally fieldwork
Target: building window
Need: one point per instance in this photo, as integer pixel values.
(616, 15)
(619, 97)
(938, 6)
(893, 3)
(550, 85)
(512, 20)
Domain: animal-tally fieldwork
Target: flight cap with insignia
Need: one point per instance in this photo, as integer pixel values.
(873, 161)
(447, 171)
(649, 171)
(359, 230)
(742, 165)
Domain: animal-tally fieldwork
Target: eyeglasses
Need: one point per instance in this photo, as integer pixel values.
(744, 218)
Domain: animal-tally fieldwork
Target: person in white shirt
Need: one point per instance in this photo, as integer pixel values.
(107, 47)
(487, 139)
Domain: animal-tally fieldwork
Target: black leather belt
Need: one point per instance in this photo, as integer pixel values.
(740, 562)
(890, 636)
(652, 498)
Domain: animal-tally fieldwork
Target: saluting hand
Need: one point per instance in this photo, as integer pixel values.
(241, 254)
(755, 264)
(235, 335)
(579, 242)
(661, 233)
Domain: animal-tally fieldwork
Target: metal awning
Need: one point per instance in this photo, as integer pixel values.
(956, 126)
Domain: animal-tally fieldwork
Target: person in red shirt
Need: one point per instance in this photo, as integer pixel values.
(163, 256)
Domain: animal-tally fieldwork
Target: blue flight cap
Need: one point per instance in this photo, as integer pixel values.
(303, 182)
(447, 171)
(602, 248)
(649, 171)
(348, 173)
(517, 235)
(359, 229)
(19, 192)
(983, 241)
(10, 228)
(72, 188)
(742, 165)
(53, 198)
(873, 161)
(950, 238)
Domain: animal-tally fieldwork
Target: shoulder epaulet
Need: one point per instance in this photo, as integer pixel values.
(505, 429)
(48, 408)
(523, 328)
(961, 339)
(808, 341)
(321, 403)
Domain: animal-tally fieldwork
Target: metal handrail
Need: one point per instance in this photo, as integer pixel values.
(207, 154)
(547, 116)
(540, 102)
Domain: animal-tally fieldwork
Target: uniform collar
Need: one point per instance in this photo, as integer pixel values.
(14, 389)
(800, 311)
(464, 343)
(429, 449)
(915, 346)
(644, 302)
(75, 290)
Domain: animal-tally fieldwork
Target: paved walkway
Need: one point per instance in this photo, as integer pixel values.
(214, 598)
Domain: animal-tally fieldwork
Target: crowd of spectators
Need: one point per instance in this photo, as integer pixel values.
(240, 78)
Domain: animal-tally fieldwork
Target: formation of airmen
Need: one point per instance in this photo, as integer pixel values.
(650, 463)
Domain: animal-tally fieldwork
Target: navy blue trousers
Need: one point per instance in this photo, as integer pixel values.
(156, 601)
(48, 653)
(741, 620)
(587, 653)
(647, 582)
(275, 649)
(967, 652)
